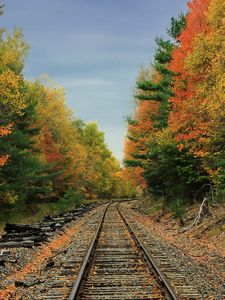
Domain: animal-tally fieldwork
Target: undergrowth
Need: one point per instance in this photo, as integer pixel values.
(35, 212)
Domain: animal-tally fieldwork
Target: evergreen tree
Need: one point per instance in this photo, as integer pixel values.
(24, 175)
(159, 89)
(151, 145)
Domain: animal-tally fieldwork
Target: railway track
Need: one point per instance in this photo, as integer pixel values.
(55, 278)
(173, 270)
(111, 257)
(118, 267)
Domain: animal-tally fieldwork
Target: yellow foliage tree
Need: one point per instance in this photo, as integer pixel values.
(12, 103)
(11, 100)
(206, 62)
(57, 139)
(13, 50)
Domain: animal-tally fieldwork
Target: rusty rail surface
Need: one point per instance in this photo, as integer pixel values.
(117, 265)
(169, 289)
(84, 265)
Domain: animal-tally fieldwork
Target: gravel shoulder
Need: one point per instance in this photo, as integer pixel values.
(30, 272)
(199, 253)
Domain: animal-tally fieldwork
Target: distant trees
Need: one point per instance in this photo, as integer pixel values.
(176, 136)
(45, 152)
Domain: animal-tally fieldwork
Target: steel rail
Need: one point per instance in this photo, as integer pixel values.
(76, 287)
(169, 289)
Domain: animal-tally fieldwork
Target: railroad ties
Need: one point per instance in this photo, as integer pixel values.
(30, 236)
(52, 279)
(26, 235)
(173, 272)
(59, 279)
(117, 268)
(110, 257)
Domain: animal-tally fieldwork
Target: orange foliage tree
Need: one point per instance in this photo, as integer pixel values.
(188, 118)
(140, 128)
(197, 116)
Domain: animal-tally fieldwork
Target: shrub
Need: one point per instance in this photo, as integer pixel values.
(70, 199)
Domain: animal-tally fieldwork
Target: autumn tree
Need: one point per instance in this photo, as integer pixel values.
(45, 152)
(140, 126)
(198, 103)
(100, 165)
(151, 144)
(12, 52)
(14, 107)
(152, 93)
(23, 176)
(206, 63)
(57, 140)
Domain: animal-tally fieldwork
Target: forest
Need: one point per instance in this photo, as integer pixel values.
(76, 222)
(174, 148)
(46, 153)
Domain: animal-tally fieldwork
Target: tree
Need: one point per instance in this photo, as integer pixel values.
(16, 111)
(100, 165)
(57, 140)
(206, 63)
(11, 84)
(177, 26)
(4, 130)
(170, 172)
(186, 110)
(197, 114)
(152, 110)
(23, 173)
(152, 148)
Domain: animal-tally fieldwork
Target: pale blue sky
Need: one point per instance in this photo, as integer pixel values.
(94, 48)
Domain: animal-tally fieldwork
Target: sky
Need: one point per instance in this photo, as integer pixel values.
(94, 49)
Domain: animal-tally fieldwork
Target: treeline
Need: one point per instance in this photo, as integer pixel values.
(45, 152)
(175, 146)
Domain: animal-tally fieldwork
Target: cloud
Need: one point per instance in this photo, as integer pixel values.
(94, 49)
(87, 82)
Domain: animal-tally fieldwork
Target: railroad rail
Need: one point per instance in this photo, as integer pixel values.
(117, 265)
(57, 274)
(174, 270)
